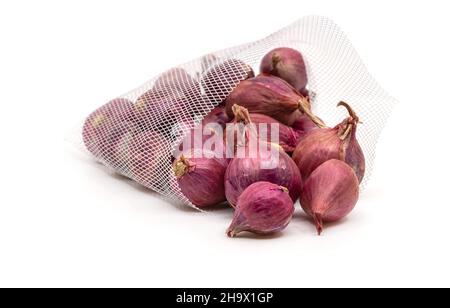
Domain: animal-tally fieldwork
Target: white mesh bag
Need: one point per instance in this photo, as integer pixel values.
(137, 133)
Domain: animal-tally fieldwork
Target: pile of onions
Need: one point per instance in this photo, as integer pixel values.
(260, 175)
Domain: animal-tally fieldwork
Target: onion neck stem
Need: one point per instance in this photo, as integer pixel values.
(350, 110)
(346, 132)
(241, 114)
(304, 107)
(351, 122)
(275, 60)
(182, 167)
(284, 189)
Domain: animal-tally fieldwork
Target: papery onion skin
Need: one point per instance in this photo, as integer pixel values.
(302, 124)
(287, 137)
(242, 172)
(201, 179)
(219, 80)
(217, 115)
(148, 152)
(315, 148)
(116, 148)
(271, 96)
(353, 155)
(288, 64)
(178, 80)
(263, 208)
(330, 193)
(197, 136)
(212, 124)
(268, 95)
(159, 110)
(99, 124)
(323, 144)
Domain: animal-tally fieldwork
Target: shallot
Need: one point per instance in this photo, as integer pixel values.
(271, 96)
(272, 165)
(200, 177)
(99, 124)
(288, 64)
(330, 193)
(177, 79)
(287, 137)
(263, 208)
(222, 78)
(147, 153)
(340, 142)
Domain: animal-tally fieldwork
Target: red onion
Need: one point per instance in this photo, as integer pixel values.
(159, 110)
(177, 79)
(200, 177)
(149, 151)
(330, 193)
(303, 124)
(100, 123)
(222, 78)
(208, 136)
(271, 96)
(273, 166)
(288, 64)
(323, 144)
(116, 148)
(262, 208)
(217, 115)
(212, 125)
(240, 131)
(287, 137)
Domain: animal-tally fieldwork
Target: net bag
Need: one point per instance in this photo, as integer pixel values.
(137, 133)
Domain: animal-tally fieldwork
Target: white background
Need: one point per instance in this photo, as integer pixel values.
(65, 222)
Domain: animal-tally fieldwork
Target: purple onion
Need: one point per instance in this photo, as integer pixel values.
(217, 115)
(287, 137)
(242, 172)
(149, 151)
(288, 64)
(99, 124)
(116, 148)
(340, 142)
(178, 80)
(200, 177)
(330, 193)
(303, 124)
(271, 96)
(223, 77)
(262, 208)
(197, 136)
(159, 110)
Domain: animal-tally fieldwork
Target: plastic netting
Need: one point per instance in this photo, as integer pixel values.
(170, 105)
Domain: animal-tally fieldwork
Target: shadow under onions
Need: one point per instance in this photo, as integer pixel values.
(327, 226)
(253, 236)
